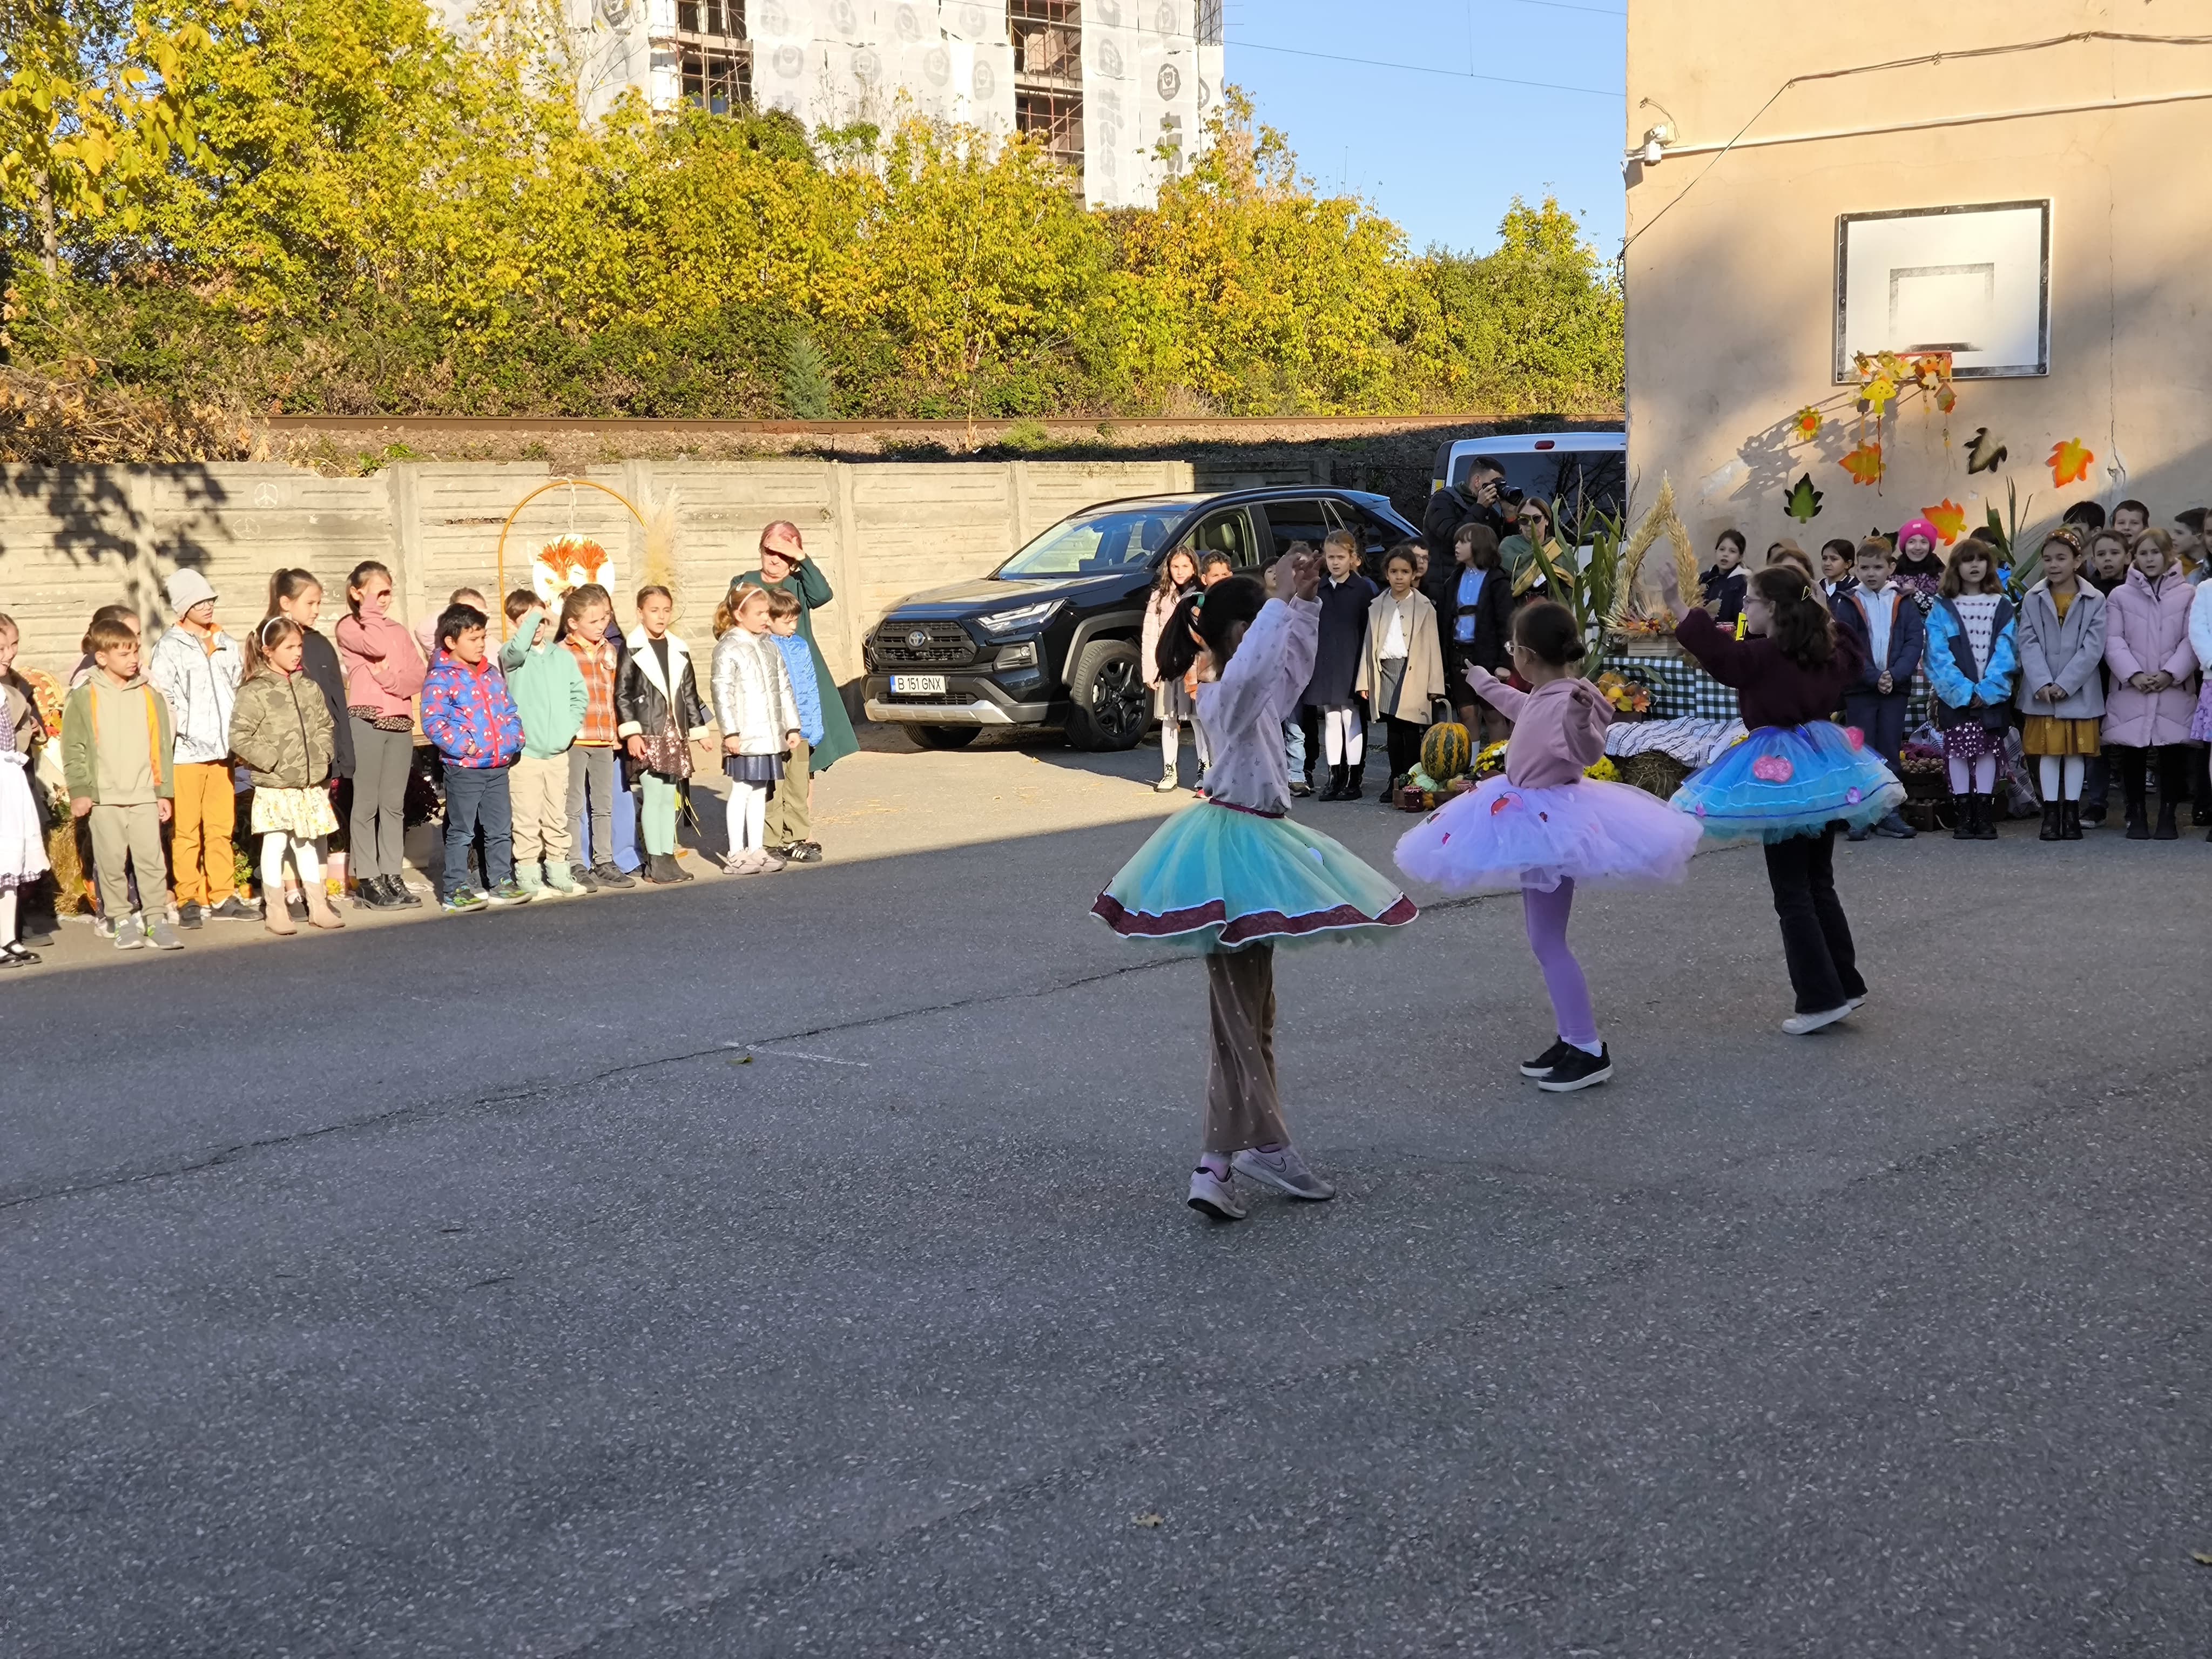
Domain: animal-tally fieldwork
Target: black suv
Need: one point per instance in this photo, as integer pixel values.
(1050, 636)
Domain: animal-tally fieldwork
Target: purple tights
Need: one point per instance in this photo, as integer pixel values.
(1547, 916)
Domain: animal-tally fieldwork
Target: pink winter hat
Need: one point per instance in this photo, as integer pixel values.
(1912, 527)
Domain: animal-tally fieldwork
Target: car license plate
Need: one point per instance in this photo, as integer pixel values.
(916, 685)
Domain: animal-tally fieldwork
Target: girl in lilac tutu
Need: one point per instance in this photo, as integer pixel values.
(1232, 877)
(1542, 827)
(1794, 778)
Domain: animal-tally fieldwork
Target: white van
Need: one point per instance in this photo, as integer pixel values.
(1589, 467)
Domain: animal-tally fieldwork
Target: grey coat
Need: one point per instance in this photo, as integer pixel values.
(2066, 654)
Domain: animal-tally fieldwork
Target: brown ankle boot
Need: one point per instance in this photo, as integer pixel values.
(276, 917)
(320, 913)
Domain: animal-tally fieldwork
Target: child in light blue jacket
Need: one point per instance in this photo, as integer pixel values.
(1972, 658)
(790, 821)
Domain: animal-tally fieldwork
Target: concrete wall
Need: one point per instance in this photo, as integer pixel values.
(1731, 295)
(73, 539)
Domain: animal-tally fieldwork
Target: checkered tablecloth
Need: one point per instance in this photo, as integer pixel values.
(1679, 688)
(1682, 691)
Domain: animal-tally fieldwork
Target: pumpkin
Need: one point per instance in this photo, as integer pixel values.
(1446, 750)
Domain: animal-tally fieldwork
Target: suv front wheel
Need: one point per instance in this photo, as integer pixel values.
(1111, 702)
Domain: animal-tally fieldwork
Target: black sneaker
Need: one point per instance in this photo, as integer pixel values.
(1577, 1069)
(188, 915)
(400, 895)
(583, 879)
(608, 875)
(236, 908)
(1541, 1066)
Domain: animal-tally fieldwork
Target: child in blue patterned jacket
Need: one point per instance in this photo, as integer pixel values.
(469, 713)
(790, 824)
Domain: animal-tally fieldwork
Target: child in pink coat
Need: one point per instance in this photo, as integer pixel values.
(2154, 681)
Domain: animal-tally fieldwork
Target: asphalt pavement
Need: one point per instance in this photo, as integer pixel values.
(798, 1265)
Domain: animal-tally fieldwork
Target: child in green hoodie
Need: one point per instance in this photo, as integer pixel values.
(549, 692)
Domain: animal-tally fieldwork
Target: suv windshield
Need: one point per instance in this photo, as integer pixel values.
(1091, 543)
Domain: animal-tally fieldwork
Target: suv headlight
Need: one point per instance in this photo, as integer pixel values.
(1027, 616)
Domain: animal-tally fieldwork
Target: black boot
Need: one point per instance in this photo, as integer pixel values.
(1335, 790)
(1355, 780)
(2165, 831)
(2138, 825)
(2052, 829)
(1985, 821)
(1962, 811)
(2070, 820)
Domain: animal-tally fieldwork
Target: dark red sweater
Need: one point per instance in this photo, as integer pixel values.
(1771, 690)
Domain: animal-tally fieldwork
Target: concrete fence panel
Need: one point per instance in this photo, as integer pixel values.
(75, 539)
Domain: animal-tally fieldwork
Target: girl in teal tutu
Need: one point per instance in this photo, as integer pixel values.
(1795, 776)
(1232, 877)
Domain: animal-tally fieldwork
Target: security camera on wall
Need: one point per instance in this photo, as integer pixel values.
(1974, 282)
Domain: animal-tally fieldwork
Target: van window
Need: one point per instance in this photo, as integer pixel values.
(1580, 480)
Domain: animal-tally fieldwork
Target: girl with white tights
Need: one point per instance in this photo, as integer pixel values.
(759, 717)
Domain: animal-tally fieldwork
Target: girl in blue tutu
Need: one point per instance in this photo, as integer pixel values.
(1232, 877)
(1794, 779)
(1542, 827)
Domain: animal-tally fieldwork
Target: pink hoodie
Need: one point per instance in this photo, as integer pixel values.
(1558, 729)
(383, 669)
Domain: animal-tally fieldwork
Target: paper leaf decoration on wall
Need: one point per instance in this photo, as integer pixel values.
(1946, 400)
(1983, 453)
(1807, 425)
(2070, 462)
(567, 564)
(1803, 503)
(1864, 463)
(1949, 520)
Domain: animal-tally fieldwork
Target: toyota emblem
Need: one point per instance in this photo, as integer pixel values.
(918, 638)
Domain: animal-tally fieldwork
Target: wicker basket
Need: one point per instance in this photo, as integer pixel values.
(1654, 771)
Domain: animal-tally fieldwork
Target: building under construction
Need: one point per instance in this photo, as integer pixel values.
(1118, 90)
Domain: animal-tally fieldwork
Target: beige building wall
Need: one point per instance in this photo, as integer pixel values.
(1731, 262)
(73, 539)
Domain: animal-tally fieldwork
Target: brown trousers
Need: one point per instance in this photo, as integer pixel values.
(1243, 1106)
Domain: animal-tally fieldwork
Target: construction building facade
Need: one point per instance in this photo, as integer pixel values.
(1118, 90)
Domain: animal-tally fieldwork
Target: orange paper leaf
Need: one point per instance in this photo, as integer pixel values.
(2070, 462)
(1864, 463)
(1807, 424)
(1949, 520)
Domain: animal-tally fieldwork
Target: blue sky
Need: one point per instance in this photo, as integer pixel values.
(1444, 155)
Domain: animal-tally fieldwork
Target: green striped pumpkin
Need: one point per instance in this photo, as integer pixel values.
(1447, 752)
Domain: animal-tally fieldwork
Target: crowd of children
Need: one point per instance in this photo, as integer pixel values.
(2096, 663)
(530, 739)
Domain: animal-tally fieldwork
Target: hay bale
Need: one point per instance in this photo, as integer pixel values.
(1653, 772)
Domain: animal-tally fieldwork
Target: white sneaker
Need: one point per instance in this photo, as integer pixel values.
(1284, 1170)
(770, 864)
(1210, 1196)
(1800, 1024)
(1167, 786)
